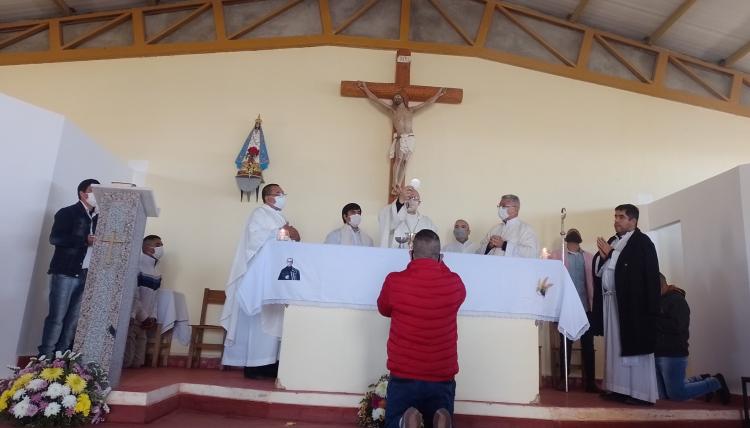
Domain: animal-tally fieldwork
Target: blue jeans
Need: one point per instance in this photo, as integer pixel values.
(670, 375)
(427, 397)
(65, 294)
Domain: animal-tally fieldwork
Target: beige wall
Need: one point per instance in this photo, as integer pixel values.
(188, 116)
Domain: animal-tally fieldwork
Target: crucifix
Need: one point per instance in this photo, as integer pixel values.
(401, 92)
(112, 240)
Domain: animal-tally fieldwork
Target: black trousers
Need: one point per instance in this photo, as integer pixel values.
(587, 356)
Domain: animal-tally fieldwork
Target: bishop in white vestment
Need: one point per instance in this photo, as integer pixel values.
(402, 217)
(350, 233)
(511, 237)
(247, 343)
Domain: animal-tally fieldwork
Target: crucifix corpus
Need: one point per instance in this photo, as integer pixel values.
(400, 93)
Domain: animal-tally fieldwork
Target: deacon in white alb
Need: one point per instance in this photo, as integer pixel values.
(461, 243)
(247, 343)
(511, 237)
(350, 233)
(402, 217)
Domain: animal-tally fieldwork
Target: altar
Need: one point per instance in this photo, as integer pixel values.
(321, 301)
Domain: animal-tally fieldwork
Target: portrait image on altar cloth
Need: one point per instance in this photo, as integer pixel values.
(289, 273)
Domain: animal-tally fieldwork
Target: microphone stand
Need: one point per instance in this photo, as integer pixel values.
(564, 340)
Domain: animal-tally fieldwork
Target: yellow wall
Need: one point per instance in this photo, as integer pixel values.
(553, 141)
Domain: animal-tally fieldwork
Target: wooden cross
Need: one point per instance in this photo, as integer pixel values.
(404, 87)
(112, 240)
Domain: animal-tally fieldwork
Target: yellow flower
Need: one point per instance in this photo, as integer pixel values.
(4, 397)
(51, 374)
(76, 383)
(83, 405)
(22, 381)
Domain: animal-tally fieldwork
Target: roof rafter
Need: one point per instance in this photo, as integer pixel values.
(64, 7)
(671, 19)
(736, 56)
(576, 15)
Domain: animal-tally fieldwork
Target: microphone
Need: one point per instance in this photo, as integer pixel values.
(563, 213)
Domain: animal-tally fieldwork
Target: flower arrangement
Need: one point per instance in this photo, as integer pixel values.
(58, 392)
(371, 412)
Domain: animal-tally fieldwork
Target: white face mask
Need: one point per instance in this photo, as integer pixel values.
(280, 202)
(355, 220)
(91, 199)
(502, 212)
(158, 252)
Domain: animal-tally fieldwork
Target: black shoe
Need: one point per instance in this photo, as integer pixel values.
(636, 402)
(613, 396)
(710, 396)
(724, 395)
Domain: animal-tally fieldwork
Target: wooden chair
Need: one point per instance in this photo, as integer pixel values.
(158, 346)
(197, 345)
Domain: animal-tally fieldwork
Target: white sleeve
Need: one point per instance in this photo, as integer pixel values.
(527, 245)
(334, 237)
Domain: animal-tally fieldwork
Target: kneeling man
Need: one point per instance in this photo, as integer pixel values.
(422, 302)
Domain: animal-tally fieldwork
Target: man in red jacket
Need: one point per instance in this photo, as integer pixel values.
(422, 302)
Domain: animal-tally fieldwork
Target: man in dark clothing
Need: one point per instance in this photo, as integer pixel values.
(72, 235)
(672, 333)
(422, 302)
(629, 272)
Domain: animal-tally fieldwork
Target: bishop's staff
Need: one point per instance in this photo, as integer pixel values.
(564, 340)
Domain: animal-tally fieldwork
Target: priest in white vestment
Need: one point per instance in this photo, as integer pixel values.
(629, 270)
(350, 233)
(461, 242)
(402, 217)
(511, 237)
(247, 342)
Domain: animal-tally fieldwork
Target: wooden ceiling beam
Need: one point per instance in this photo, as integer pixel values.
(576, 15)
(64, 8)
(736, 56)
(671, 19)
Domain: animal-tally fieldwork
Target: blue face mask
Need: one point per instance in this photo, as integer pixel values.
(460, 234)
(280, 202)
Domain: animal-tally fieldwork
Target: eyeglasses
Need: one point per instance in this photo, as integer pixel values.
(507, 206)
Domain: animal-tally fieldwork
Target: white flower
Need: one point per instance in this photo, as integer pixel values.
(21, 408)
(20, 393)
(382, 388)
(106, 408)
(36, 384)
(57, 390)
(378, 414)
(52, 409)
(69, 401)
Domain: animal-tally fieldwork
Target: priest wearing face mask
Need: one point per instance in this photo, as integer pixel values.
(402, 218)
(511, 237)
(247, 344)
(461, 244)
(350, 233)
(143, 312)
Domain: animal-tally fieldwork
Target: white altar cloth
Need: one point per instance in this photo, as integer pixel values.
(171, 313)
(351, 277)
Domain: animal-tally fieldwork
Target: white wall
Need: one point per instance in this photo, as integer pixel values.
(668, 242)
(714, 216)
(30, 137)
(553, 141)
(78, 158)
